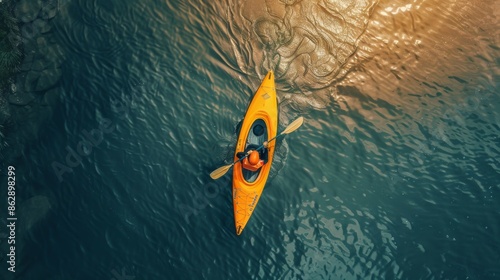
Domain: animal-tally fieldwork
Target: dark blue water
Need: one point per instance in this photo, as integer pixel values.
(394, 175)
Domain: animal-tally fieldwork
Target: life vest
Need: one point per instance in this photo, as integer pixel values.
(247, 165)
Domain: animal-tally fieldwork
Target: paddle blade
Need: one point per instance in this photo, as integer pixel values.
(219, 172)
(293, 126)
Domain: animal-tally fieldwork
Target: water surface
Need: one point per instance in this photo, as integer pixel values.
(394, 175)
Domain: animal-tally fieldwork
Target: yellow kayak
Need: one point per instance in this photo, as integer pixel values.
(260, 124)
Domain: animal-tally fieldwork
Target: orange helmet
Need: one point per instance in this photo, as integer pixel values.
(254, 158)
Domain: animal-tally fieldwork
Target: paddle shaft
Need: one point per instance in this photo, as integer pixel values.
(290, 128)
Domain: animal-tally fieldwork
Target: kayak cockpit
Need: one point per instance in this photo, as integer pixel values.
(257, 135)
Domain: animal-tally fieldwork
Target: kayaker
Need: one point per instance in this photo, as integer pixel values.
(253, 161)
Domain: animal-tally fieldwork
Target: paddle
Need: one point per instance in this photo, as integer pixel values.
(219, 172)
